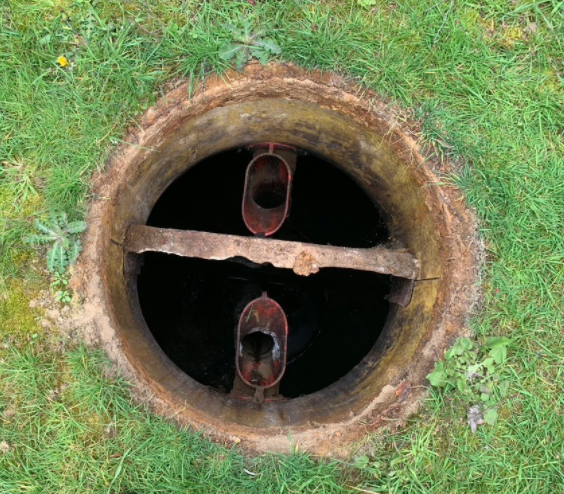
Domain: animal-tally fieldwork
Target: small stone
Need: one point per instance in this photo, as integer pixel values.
(237, 440)
(338, 433)
(4, 447)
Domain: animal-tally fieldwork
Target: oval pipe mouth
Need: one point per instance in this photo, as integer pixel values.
(266, 198)
(262, 335)
(431, 233)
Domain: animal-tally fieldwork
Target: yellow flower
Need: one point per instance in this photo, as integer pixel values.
(62, 61)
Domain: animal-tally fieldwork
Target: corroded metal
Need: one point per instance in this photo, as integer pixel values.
(304, 259)
(268, 184)
(261, 345)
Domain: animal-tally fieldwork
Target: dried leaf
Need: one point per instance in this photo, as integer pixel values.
(475, 418)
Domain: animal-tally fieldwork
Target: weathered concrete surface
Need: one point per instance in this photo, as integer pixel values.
(378, 147)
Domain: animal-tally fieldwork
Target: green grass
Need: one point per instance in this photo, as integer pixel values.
(75, 430)
(486, 83)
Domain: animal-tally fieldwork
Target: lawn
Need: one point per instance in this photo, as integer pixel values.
(486, 83)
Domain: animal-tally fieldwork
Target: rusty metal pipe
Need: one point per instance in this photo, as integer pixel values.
(266, 197)
(262, 335)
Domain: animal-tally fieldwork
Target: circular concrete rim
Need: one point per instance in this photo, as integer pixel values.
(388, 384)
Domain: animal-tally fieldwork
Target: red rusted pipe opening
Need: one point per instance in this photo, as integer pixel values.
(266, 198)
(261, 343)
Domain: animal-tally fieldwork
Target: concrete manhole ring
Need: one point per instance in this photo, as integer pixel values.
(326, 116)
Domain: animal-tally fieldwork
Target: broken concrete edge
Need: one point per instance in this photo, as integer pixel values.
(460, 291)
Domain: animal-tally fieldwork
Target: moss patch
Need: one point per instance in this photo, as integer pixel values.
(16, 315)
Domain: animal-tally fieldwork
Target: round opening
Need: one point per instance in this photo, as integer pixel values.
(270, 197)
(257, 346)
(192, 306)
(371, 262)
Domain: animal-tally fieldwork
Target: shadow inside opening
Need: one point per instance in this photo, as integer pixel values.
(192, 306)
